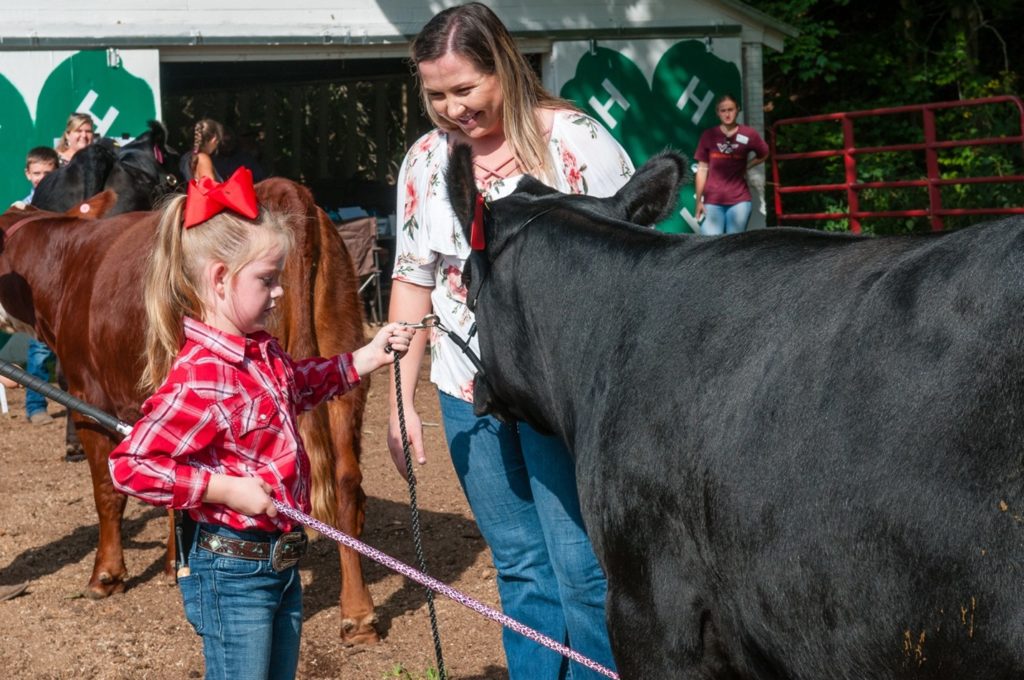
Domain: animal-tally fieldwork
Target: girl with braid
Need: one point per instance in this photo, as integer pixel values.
(206, 138)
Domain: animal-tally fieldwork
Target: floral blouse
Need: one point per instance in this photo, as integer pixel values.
(431, 250)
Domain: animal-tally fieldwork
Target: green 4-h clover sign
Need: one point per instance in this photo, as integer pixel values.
(15, 135)
(672, 111)
(120, 103)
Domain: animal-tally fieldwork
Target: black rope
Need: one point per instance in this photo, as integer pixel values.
(414, 510)
(9, 370)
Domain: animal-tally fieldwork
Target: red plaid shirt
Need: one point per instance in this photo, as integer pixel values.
(229, 405)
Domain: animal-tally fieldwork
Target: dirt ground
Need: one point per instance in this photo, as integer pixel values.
(48, 538)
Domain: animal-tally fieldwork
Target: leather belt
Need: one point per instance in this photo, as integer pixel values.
(283, 552)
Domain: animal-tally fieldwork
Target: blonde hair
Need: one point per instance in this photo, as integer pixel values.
(205, 130)
(474, 32)
(75, 121)
(174, 285)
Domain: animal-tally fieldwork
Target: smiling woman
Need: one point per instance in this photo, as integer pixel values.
(78, 134)
(479, 90)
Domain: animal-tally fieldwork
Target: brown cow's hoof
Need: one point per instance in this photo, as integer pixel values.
(167, 578)
(105, 586)
(359, 633)
(74, 453)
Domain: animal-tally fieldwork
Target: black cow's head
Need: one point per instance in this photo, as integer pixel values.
(644, 200)
(153, 143)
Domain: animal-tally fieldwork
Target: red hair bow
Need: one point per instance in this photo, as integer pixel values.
(207, 198)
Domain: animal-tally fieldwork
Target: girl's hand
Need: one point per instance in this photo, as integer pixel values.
(246, 495)
(394, 337)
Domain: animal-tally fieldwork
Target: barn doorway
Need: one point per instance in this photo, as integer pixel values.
(340, 126)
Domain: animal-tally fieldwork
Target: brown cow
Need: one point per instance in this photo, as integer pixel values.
(77, 279)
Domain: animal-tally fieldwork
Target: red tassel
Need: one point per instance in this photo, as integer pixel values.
(476, 233)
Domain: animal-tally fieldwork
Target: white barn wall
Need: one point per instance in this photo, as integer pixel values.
(209, 22)
(32, 42)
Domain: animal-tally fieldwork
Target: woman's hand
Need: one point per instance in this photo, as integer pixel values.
(699, 180)
(414, 428)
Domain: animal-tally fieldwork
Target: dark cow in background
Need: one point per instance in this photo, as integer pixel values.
(139, 173)
(78, 281)
(800, 455)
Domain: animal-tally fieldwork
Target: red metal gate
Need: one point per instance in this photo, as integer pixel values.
(931, 146)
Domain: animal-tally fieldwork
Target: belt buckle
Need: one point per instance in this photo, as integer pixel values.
(288, 549)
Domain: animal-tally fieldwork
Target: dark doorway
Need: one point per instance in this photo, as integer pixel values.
(340, 127)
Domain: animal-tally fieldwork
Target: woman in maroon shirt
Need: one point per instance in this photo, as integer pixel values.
(723, 158)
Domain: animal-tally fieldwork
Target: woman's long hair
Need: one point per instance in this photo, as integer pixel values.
(474, 32)
(174, 285)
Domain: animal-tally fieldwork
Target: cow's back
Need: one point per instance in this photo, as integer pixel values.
(833, 424)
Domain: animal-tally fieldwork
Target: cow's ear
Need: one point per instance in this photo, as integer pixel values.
(96, 207)
(649, 196)
(461, 185)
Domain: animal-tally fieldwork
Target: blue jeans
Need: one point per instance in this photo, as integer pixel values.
(725, 219)
(38, 354)
(249, 616)
(521, 487)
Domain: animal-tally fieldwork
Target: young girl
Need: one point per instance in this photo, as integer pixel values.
(219, 437)
(206, 138)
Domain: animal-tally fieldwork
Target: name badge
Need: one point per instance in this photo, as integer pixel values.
(742, 139)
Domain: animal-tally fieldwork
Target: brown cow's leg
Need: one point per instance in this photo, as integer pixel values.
(73, 450)
(170, 559)
(357, 615)
(108, 572)
(358, 618)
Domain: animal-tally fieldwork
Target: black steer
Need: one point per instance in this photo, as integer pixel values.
(138, 172)
(800, 455)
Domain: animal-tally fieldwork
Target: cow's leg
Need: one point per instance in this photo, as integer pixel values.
(170, 574)
(108, 572)
(662, 621)
(357, 615)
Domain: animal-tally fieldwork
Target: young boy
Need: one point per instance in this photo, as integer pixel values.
(40, 162)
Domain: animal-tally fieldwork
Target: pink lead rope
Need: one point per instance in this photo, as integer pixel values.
(439, 587)
(115, 425)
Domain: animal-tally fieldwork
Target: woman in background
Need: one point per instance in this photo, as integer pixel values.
(723, 159)
(78, 134)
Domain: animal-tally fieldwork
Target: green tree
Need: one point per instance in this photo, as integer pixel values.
(872, 54)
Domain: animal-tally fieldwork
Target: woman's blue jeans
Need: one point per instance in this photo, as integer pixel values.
(249, 616)
(35, 364)
(521, 487)
(725, 219)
